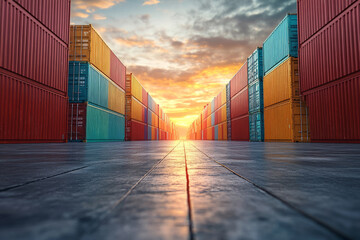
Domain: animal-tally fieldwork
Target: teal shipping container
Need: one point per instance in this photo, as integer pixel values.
(256, 126)
(216, 132)
(281, 43)
(87, 84)
(212, 119)
(91, 123)
(255, 66)
(256, 96)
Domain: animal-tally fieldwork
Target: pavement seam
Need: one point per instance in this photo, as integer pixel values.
(191, 223)
(298, 210)
(143, 177)
(41, 179)
(106, 214)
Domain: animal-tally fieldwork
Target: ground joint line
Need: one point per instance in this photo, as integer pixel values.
(191, 232)
(317, 221)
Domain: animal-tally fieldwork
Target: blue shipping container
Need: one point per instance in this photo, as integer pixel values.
(256, 126)
(255, 66)
(151, 103)
(216, 132)
(213, 105)
(281, 43)
(87, 84)
(104, 125)
(212, 119)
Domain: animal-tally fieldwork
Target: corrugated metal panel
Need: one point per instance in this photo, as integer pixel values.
(138, 91)
(255, 66)
(139, 131)
(31, 50)
(282, 83)
(212, 117)
(30, 112)
(220, 115)
(152, 105)
(239, 81)
(101, 124)
(117, 71)
(313, 15)
(285, 122)
(138, 111)
(116, 98)
(240, 129)
(87, 45)
(256, 126)
(334, 111)
(256, 96)
(334, 52)
(240, 104)
(216, 132)
(54, 14)
(212, 105)
(282, 43)
(87, 84)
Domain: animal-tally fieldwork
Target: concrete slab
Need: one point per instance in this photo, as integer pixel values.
(176, 190)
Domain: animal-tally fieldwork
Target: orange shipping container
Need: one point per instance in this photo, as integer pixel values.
(116, 98)
(285, 122)
(87, 45)
(282, 83)
(209, 133)
(137, 110)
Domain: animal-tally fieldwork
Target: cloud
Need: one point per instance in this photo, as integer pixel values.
(79, 14)
(151, 2)
(145, 18)
(99, 17)
(135, 41)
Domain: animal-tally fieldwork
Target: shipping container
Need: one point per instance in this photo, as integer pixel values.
(87, 84)
(256, 96)
(31, 50)
(137, 90)
(91, 123)
(239, 81)
(30, 112)
(53, 14)
(138, 111)
(314, 15)
(117, 71)
(220, 132)
(255, 66)
(333, 52)
(334, 111)
(152, 105)
(286, 122)
(256, 126)
(228, 110)
(153, 119)
(116, 98)
(240, 128)
(139, 131)
(281, 43)
(282, 83)
(153, 133)
(87, 45)
(240, 104)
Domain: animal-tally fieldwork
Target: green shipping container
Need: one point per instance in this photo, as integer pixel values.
(91, 123)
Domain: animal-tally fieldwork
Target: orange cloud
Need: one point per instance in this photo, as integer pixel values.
(80, 15)
(151, 2)
(135, 41)
(98, 17)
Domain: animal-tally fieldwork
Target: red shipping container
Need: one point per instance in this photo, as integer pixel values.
(240, 129)
(31, 50)
(144, 97)
(239, 81)
(333, 52)
(139, 131)
(77, 121)
(315, 14)
(240, 104)
(54, 14)
(30, 112)
(117, 71)
(334, 111)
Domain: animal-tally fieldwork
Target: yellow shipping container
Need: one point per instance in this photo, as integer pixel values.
(282, 83)
(116, 98)
(223, 113)
(286, 121)
(223, 96)
(87, 45)
(137, 111)
(136, 88)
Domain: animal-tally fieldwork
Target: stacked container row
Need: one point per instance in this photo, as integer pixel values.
(96, 88)
(329, 55)
(285, 114)
(33, 71)
(145, 120)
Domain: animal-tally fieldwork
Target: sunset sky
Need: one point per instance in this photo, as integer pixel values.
(182, 51)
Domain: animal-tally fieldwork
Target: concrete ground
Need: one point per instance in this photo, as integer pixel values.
(180, 190)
